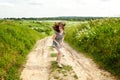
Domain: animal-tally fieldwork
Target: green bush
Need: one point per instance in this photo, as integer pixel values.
(99, 39)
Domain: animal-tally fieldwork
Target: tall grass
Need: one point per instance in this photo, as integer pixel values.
(16, 40)
(100, 40)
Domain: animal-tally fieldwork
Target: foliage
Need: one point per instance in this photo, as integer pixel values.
(99, 39)
(16, 40)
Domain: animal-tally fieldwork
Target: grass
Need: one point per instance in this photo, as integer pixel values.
(61, 73)
(98, 39)
(53, 54)
(63, 69)
(17, 38)
(75, 76)
(51, 48)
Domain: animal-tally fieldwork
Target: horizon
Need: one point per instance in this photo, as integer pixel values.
(68, 17)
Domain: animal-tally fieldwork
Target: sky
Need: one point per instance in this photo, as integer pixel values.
(54, 8)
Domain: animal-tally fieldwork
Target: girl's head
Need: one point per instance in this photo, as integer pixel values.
(59, 26)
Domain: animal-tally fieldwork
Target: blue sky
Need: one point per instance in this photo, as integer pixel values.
(53, 8)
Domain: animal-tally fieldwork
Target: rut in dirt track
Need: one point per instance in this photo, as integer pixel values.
(39, 61)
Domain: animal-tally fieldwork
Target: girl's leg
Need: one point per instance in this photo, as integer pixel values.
(59, 55)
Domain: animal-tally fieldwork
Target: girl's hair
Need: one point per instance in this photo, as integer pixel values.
(56, 26)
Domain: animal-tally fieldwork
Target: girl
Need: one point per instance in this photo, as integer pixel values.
(58, 38)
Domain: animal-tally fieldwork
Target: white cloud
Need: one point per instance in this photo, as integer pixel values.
(6, 4)
(60, 8)
(33, 3)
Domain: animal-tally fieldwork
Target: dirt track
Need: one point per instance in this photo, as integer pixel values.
(39, 61)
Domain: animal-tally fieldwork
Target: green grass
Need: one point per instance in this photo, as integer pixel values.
(61, 73)
(17, 38)
(98, 39)
(53, 54)
(51, 48)
(64, 68)
(75, 76)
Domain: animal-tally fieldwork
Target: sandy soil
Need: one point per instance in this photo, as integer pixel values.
(38, 63)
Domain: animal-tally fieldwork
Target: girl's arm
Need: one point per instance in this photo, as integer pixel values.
(63, 38)
(62, 41)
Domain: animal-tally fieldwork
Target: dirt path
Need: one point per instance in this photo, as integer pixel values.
(39, 60)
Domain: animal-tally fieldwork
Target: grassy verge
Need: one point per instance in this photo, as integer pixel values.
(98, 39)
(53, 55)
(64, 73)
(16, 40)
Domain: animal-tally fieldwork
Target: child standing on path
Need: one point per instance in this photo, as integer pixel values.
(58, 38)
